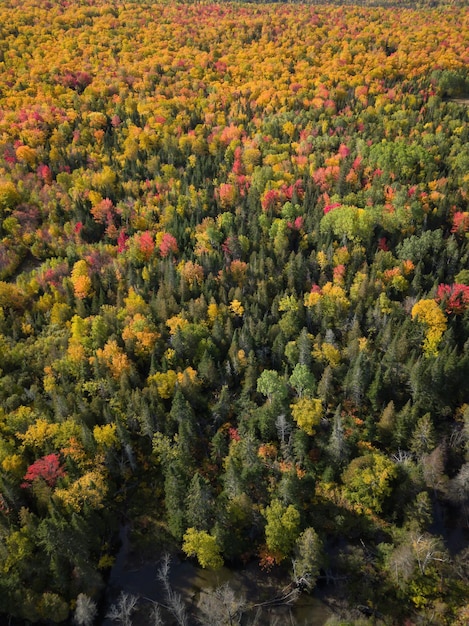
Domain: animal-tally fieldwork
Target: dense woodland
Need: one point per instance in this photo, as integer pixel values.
(234, 293)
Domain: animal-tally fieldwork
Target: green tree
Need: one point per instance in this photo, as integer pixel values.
(199, 503)
(302, 380)
(282, 528)
(309, 558)
(271, 385)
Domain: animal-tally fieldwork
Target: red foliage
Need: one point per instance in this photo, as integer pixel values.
(234, 435)
(44, 172)
(270, 199)
(455, 298)
(227, 194)
(238, 168)
(122, 241)
(103, 211)
(77, 81)
(344, 151)
(326, 177)
(48, 468)
(339, 273)
(460, 222)
(168, 244)
(383, 244)
(330, 207)
(146, 244)
(297, 224)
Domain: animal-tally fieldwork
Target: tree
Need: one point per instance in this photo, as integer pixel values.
(221, 607)
(271, 385)
(307, 413)
(121, 611)
(85, 610)
(204, 546)
(48, 468)
(302, 380)
(338, 448)
(348, 221)
(282, 528)
(309, 559)
(368, 480)
(429, 313)
(199, 503)
(423, 437)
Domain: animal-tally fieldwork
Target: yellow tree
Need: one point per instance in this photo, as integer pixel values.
(204, 546)
(80, 279)
(429, 313)
(307, 413)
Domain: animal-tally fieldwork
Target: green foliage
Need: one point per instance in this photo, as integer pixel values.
(349, 222)
(271, 385)
(232, 295)
(282, 528)
(309, 558)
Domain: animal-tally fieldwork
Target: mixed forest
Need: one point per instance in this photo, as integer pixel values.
(234, 298)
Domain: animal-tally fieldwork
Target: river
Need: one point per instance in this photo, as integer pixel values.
(135, 575)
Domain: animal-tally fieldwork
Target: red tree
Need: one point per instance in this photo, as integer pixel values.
(48, 468)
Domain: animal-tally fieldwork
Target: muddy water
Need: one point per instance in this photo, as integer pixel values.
(135, 575)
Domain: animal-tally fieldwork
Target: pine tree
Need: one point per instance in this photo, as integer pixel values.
(199, 503)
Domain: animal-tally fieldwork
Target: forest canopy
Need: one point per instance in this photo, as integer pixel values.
(234, 297)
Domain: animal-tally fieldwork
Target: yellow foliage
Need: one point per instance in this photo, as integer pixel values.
(49, 381)
(312, 298)
(360, 278)
(165, 383)
(307, 413)
(89, 489)
(429, 313)
(327, 352)
(189, 375)
(213, 311)
(134, 303)
(14, 463)
(26, 154)
(288, 303)
(170, 354)
(75, 351)
(199, 543)
(39, 433)
(176, 323)
(341, 256)
(322, 259)
(335, 299)
(60, 313)
(237, 308)
(105, 436)
(75, 450)
(362, 344)
(106, 561)
(141, 332)
(114, 358)
(80, 279)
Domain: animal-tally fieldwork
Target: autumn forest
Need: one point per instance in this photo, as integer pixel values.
(234, 301)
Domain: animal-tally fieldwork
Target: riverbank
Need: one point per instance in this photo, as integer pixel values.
(263, 598)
